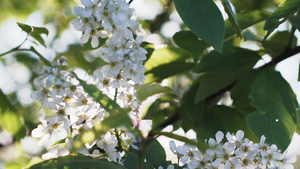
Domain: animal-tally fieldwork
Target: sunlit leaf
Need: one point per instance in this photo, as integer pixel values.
(76, 58)
(163, 61)
(10, 118)
(77, 162)
(229, 61)
(204, 19)
(281, 14)
(147, 90)
(189, 41)
(276, 116)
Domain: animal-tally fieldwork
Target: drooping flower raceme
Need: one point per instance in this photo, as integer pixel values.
(238, 152)
(74, 110)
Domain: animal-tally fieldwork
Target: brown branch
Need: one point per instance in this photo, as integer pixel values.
(286, 54)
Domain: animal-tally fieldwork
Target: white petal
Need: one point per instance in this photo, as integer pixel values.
(77, 10)
(219, 136)
(95, 41)
(239, 135)
(172, 146)
(36, 94)
(84, 38)
(87, 3)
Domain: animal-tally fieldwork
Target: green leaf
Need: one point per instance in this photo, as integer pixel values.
(248, 35)
(281, 14)
(241, 91)
(190, 42)
(147, 90)
(299, 73)
(77, 162)
(149, 47)
(204, 19)
(10, 119)
(40, 30)
(190, 112)
(162, 109)
(221, 118)
(276, 117)
(155, 154)
(27, 28)
(75, 57)
(131, 161)
(250, 5)
(109, 105)
(231, 60)
(245, 20)
(147, 165)
(88, 45)
(163, 61)
(38, 38)
(181, 138)
(232, 18)
(296, 21)
(43, 59)
(277, 44)
(211, 84)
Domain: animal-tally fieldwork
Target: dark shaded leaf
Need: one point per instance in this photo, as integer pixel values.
(281, 14)
(250, 5)
(221, 118)
(296, 21)
(276, 117)
(232, 18)
(246, 20)
(190, 42)
(213, 83)
(231, 60)
(204, 19)
(277, 44)
(155, 154)
(241, 91)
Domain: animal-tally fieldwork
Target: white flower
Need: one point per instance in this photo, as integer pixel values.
(42, 94)
(52, 129)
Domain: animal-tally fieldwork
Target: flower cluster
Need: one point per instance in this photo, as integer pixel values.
(122, 51)
(237, 152)
(74, 113)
